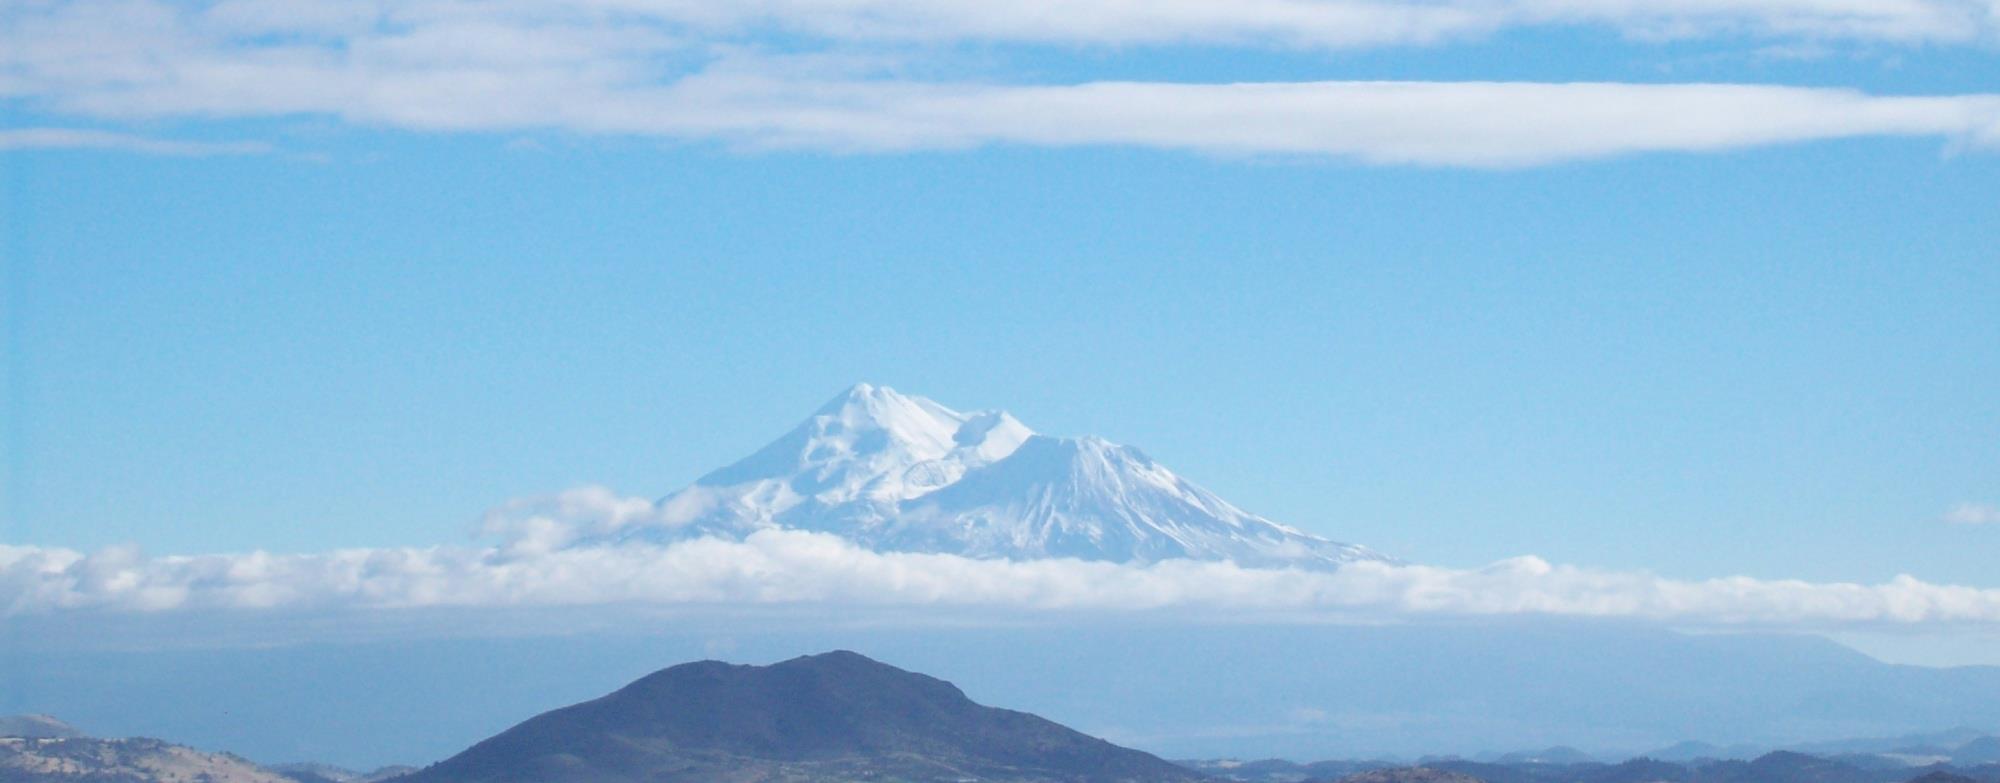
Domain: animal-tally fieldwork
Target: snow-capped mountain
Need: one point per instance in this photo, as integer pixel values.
(895, 472)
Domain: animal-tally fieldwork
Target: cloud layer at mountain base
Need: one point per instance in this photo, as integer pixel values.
(533, 566)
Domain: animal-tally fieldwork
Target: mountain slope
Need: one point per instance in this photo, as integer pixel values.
(1984, 750)
(36, 727)
(87, 760)
(1092, 499)
(901, 473)
(835, 716)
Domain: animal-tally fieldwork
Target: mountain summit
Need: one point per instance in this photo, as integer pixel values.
(895, 472)
(834, 716)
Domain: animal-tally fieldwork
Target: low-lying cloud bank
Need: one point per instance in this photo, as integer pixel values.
(551, 555)
(705, 72)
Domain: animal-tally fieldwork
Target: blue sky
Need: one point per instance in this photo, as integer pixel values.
(319, 301)
(1623, 364)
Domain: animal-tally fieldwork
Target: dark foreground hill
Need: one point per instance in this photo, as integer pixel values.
(831, 717)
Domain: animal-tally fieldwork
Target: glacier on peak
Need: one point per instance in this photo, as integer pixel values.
(895, 472)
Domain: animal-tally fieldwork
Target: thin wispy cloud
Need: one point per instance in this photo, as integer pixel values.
(90, 139)
(530, 567)
(1474, 124)
(693, 71)
(1973, 514)
(1357, 23)
(1256, 23)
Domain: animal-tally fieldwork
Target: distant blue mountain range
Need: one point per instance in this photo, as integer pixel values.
(1299, 692)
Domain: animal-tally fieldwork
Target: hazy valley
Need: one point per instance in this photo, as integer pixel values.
(839, 717)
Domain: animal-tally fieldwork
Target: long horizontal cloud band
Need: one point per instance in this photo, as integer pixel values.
(1476, 124)
(789, 567)
(1446, 123)
(1245, 23)
(702, 71)
(1342, 23)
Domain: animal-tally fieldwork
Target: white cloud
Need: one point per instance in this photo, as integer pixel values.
(530, 567)
(694, 71)
(81, 138)
(546, 523)
(1485, 124)
(1245, 23)
(1973, 514)
(1355, 23)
